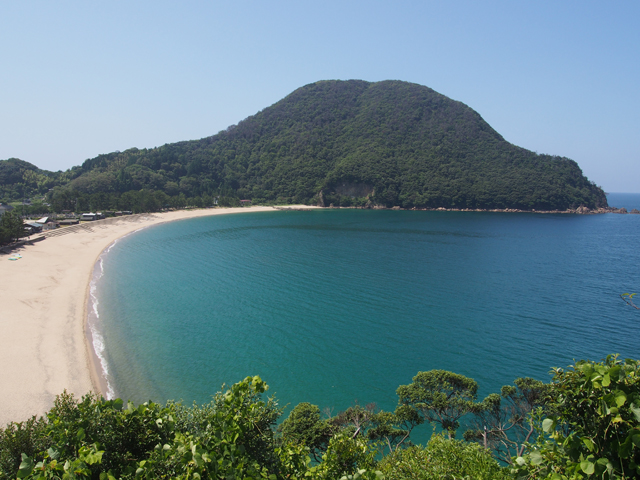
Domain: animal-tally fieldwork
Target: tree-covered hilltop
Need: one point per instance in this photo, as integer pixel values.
(20, 179)
(353, 142)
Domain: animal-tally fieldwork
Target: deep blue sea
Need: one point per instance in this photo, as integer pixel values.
(337, 306)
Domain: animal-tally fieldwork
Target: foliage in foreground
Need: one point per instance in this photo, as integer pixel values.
(442, 459)
(584, 424)
(594, 430)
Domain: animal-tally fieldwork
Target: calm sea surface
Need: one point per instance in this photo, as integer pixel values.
(335, 306)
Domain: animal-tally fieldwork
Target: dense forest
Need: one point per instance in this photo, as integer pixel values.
(584, 424)
(347, 143)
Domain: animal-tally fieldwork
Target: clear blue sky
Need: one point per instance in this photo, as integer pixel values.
(79, 78)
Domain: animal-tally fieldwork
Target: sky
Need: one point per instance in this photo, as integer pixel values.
(78, 79)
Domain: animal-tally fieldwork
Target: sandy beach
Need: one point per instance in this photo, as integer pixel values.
(43, 301)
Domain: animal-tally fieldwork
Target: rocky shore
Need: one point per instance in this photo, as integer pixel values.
(579, 210)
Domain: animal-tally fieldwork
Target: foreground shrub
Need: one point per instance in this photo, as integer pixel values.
(345, 457)
(96, 438)
(17, 438)
(442, 459)
(595, 430)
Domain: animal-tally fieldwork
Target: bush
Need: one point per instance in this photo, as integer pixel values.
(595, 430)
(346, 456)
(230, 438)
(17, 438)
(442, 459)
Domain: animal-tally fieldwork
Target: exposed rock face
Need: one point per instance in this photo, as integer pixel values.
(354, 189)
(635, 210)
(582, 209)
(622, 210)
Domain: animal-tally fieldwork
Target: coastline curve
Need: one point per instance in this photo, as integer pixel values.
(45, 348)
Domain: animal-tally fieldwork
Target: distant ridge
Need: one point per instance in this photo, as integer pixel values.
(389, 143)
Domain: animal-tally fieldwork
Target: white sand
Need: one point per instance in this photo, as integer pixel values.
(43, 301)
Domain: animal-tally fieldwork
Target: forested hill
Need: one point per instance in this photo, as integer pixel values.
(388, 143)
(15, 174)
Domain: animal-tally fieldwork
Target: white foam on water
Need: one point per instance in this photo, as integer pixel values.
(93, 320)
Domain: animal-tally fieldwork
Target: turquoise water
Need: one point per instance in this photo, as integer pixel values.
(337, 306)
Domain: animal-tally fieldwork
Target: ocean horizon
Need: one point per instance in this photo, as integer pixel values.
(335, 307)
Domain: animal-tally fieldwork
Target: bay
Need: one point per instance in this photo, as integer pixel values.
(337, 306)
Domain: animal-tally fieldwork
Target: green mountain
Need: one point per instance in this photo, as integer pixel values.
(353, 142)
(15, 174)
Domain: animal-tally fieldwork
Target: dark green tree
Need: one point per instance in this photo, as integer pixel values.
(304, 425)
(506, 422)
(11, 227)
(440, 397)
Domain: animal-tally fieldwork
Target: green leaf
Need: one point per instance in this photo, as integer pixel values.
(587, 467)
(118, 403)
(636, 411)
(624, 450)
(535, 457)
(26, 466)
(548, 425)
(620, 398)
(589, 444)
(606, 380)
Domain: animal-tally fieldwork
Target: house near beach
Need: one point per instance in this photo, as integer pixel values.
(32, 227)
(68, 221)
(89, 217)
(47, 223)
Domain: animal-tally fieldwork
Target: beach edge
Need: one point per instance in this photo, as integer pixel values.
(47, 347)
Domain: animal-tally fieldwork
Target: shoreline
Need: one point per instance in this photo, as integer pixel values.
(46, 346)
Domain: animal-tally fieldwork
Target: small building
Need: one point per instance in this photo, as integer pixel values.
(68, 221)
(47, 223)
(50, 226)
(32, 227)
(245, 202)
(89, 217)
